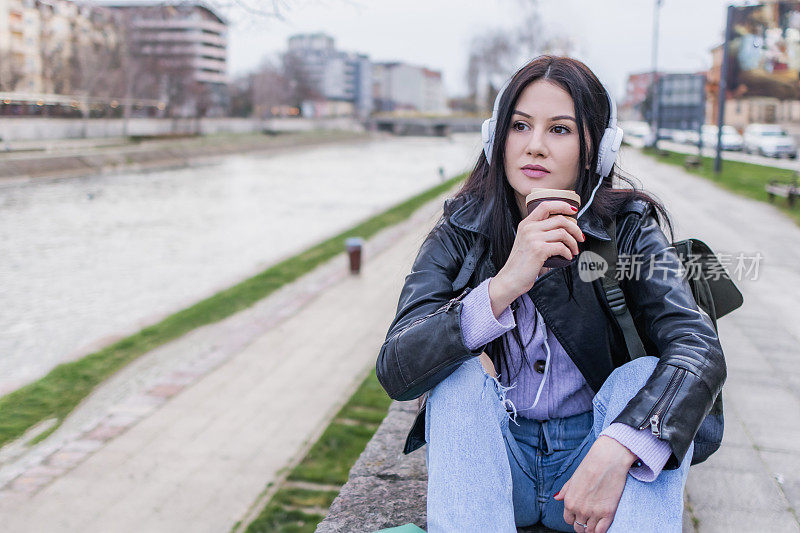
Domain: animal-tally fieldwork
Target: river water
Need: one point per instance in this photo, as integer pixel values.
(84, 261)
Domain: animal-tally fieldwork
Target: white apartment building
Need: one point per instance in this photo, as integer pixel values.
(398, 86)
(39, 41)
(20, 57)
(336, 75)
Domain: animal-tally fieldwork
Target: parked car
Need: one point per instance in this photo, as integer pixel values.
(680, 136)
(692, 137)
(637, 134)
(685, 136)
(769, 140)
(731, 140)
(667, 134)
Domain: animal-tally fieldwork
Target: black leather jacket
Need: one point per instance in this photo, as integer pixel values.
(425, 344)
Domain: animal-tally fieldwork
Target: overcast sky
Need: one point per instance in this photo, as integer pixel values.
(614, 37)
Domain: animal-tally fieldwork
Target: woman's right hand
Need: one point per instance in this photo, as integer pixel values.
(544, 233)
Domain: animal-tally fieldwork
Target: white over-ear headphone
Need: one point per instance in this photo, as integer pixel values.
(606, 153)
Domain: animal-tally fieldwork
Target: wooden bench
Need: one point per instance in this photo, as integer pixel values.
(790, 191)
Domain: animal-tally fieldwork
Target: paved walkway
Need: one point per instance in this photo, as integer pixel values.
(752, 483)
(197, 458)
(194, 456)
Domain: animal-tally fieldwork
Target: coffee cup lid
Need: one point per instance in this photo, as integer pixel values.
(547, 193)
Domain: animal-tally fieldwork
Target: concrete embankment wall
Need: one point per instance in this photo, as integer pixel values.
(157, 155)
(15, 129)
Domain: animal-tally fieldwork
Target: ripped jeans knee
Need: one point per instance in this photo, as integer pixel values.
(501, 391)
(471, 391)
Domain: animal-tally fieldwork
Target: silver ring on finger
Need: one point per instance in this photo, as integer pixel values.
(582, 525)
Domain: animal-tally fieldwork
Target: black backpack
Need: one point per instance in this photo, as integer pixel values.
(714, 293)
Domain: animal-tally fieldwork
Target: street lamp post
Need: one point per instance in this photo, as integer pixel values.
(723, 87)
(654, 81)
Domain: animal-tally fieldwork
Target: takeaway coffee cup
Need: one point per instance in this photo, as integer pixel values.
(354, 245)
(538, 196)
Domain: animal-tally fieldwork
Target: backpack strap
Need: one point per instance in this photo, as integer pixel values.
(614, 295)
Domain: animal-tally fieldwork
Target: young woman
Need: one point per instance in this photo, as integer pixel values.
(534, 411)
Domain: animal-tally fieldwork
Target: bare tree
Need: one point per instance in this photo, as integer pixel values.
(240, 92)
(139, 71)
(473, 73)
(491, 58)
(96, 63)
(54, 55)
(270, 88)
(276, 82)
(261, 8)
(300, 85)
(497, 53)
(528, 34)
(255, 11)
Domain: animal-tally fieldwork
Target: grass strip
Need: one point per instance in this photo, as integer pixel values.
(277, 519)
(63, 388)
(328, 461)
(746, 179)
(305, 498)
(332, 456)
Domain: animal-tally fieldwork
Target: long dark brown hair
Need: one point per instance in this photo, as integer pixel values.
(487, 182)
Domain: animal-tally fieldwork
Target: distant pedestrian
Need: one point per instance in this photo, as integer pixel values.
(534, 411)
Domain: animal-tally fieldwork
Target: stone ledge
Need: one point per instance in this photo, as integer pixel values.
(370, 504)
(385, 487)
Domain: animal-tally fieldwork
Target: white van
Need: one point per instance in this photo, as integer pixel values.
(769, 140)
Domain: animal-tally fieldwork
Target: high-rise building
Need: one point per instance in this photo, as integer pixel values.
(332, 75)
(186, 45)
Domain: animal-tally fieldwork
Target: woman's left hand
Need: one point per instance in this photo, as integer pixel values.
(593, 492)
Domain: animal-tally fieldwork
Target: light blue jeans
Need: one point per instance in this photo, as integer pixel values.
(486, 474)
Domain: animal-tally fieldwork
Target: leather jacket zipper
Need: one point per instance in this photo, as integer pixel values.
(446, 307)
(653, 418)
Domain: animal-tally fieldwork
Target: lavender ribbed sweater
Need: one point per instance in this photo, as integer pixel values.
(565, 392)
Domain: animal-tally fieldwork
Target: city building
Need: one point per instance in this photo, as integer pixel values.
(185, 45)
(20, 57)
(635, 94)
(401, 87)
(41, 41)
(325, 78)
(682, 100)
(337, 82)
